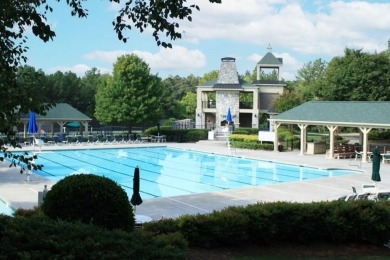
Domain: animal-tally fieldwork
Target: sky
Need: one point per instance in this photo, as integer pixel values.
(299, 31)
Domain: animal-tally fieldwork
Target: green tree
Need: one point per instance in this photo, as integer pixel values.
(162, 17)
(357, 76)
(212, 75)
(287, 101)
(88, 89)
(66, 87)
(133, 96)
(310, 79)
(188, 104)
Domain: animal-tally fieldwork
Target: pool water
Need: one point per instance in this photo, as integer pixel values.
(5, 208)
(167, 172)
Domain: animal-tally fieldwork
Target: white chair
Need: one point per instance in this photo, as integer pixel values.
(39, 142)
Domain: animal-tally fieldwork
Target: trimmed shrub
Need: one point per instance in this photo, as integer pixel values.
(90, 199)
(44, 238)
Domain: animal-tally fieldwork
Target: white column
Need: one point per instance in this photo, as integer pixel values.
(331, 129)
(303, 138)
(365, 132)
(276, 140)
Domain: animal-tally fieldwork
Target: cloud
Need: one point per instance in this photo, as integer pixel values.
(306, 27)
(177, 58)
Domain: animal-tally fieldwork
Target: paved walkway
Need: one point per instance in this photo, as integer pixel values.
(19, 193)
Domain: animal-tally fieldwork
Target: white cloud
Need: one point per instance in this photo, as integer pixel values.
(326, 28)
(177, 58)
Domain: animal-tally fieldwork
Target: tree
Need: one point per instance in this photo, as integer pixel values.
(132, 96)
(162, 17)
(310, 79)
(287, 101)
(188, 104)
(88, 89)
(357, 76)
(212, 75)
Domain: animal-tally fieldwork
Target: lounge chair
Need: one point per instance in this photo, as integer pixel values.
(56, 140)
(39, 142)
(99, 138)
(69, 139)
(108, 139)
(79, 139)
(90, 139)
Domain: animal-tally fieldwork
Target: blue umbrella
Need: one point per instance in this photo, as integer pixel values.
(32, 124)
(229, 116)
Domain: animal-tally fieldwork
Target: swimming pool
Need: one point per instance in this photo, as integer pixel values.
(167, 172)
(5, 208)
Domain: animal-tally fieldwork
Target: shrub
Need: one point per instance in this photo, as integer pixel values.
(90, 199)
(44, 238)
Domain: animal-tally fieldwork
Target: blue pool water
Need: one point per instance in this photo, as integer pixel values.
(5, 208)
(169, 172)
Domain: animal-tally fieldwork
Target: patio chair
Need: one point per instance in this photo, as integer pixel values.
(108, 139)
(99, 138)
(116, 139)
(69, 139)
(79, 139)
(90, 139)
(56, 140)
(39, 142)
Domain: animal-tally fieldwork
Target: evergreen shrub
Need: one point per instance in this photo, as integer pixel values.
(90, 199)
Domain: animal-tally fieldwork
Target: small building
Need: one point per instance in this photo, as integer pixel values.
(56, 119)
(247, 101)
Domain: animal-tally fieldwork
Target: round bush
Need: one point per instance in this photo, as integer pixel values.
(90, 199)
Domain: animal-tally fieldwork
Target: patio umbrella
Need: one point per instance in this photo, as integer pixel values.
(229, 116)
(73, 124)
(32, 124)
(136, 198)
(376, 163)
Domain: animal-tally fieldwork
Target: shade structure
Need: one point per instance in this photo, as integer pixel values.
(32, 124)
(376, 163)
(136, 197)
(229, 116)
(73, 124)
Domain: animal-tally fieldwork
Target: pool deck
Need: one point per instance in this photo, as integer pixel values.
(20, 193)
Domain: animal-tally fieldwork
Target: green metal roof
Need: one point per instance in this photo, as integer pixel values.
(270, 59)
(340, 113)
(60, 112)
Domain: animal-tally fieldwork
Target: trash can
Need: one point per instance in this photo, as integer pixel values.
(280, 148)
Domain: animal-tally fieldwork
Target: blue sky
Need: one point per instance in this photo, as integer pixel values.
(298, 31)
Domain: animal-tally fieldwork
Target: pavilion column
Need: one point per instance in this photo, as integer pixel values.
(303, 128)
(331, 129)
(276, 140)
(85, 127)
(24, 130)
(61, 123)
(365, 132)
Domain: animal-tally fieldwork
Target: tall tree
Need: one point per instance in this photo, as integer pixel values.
(162, 17)
(133, 96)
(212, 75)
(88, 89)
(309, 79)
(188, 104)
(357, 76)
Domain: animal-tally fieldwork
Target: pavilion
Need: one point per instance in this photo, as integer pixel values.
(56, 118)
(364, 115)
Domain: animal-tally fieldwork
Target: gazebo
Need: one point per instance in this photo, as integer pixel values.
(364, 115)
(60, 114)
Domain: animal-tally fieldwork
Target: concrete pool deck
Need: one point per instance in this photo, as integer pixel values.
(19, 193)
